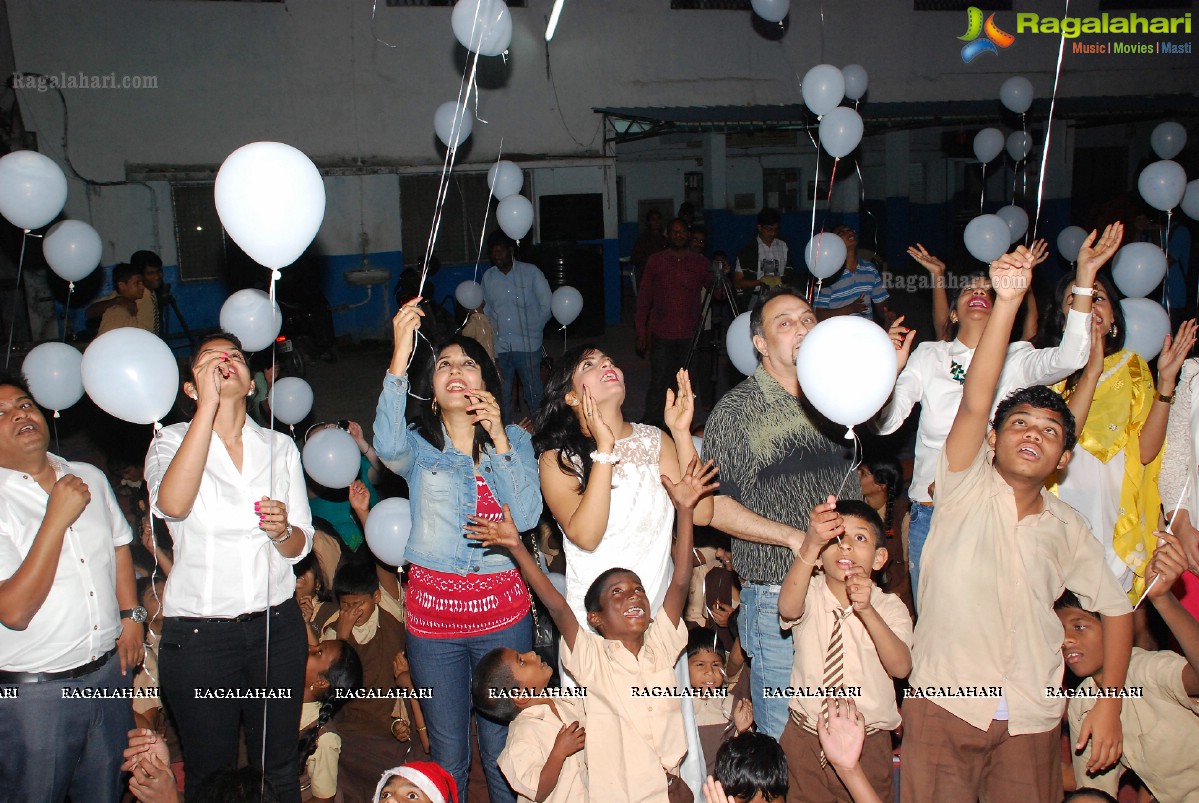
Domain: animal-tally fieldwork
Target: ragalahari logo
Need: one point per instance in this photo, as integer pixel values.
(992, 39)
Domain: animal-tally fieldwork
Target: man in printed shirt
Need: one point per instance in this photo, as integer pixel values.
(71, 631)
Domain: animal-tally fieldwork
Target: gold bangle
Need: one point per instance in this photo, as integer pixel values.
(422, 728)
(806, 562)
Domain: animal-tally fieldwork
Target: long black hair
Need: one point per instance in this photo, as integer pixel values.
(421, 411)
(557, 427)
(887, 472)
(1053, 318)
(345, 674)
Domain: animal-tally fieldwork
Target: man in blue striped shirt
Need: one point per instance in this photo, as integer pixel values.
(857, 289)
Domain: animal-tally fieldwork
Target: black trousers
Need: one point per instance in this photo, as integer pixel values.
(214, 681)
(666, 357)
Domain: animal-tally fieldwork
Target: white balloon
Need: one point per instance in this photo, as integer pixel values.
(825, 254)
(1190, 200)
(698, 443)
(484, 26)
(1016, 94)
(566, 303)
(469, 294)
(823, 89)
(987, 237)
(1019, 145)
(1168, 140)
(515, 216)
(253, 317)
(291, 400)
(54, 372)
(332, 458)
(32, 189)
(1146, 325)
(1070, 241)
(840, 131)
(271, 201)
(1016, 220)
(772, 10)
(505, 178)
(1138, 268)
(1162, 184)
(847, 367)
(856, 81)
(72, 249)
(739, 345)
(453, 122)
(131, 374)
(387, 529)
(988, 144)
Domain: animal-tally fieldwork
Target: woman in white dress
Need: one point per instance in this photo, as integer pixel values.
(601, 477)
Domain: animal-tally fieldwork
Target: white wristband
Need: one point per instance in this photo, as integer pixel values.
(610, 458)
(1082, 291)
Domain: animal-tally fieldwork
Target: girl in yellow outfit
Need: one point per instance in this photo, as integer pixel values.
(1121, 422)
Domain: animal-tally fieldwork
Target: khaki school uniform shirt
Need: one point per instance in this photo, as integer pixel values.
(322, 764)
(631, 741)
(117, 317)
(987, 587)
(531, 737)
(863, 668)
(1161, 729)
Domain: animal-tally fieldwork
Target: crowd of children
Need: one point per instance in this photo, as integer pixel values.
(929, 643)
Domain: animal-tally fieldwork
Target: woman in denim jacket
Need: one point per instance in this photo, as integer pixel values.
(463, 600)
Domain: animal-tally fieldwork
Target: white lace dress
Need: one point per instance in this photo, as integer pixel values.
(640, 525)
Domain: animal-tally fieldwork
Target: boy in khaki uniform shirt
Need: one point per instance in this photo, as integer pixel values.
(1000, 551)
(873, 646)
(1160, 724)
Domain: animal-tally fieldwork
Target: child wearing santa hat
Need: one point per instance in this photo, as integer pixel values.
(421, 781)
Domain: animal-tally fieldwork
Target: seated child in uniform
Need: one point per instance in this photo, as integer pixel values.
(637, 742)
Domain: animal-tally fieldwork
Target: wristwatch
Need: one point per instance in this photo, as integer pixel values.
(138, 614)
(287, 530)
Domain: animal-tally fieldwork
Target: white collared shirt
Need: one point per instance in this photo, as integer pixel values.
(224, 563)
(80, 619)
(928, 379)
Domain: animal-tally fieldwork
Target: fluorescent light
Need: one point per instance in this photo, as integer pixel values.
(553, 23)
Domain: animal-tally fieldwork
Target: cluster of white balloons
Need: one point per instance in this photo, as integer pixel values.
(988, 237)
(1163, 184)
(990, 142)
(514, 213)
(483, 27)
(824, 87)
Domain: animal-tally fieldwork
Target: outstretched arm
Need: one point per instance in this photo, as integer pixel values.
(1167, 565)
(1011, 275)
(936, 271)
(504, 534)
(696, 483)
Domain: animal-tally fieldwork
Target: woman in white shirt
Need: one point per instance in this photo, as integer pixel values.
(234, 499)
(936, 371)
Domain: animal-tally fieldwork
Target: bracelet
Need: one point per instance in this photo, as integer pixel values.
(286, 534)
(1167, 399)
(422, 728)
(607, 458)
(1082, 291)
(804, 561)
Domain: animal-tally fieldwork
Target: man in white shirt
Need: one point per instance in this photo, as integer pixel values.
(71, 631)
(763, 263)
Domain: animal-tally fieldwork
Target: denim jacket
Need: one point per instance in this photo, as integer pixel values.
(441, 486)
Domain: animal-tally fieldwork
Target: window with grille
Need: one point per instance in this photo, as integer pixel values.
(199, 238)
(462, 215)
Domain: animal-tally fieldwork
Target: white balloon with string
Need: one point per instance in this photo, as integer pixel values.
(847, 397)
(54, 372)
(1146, 325)
(1070, 241)
(469, 294)
(825, 254)
(1138, 268)
(565, 304)
(840, 131)
(33, 189)
(515, 216)
(290, 400)
(253, 317)
(331, 458)
(1190, 200)
(131, 374)
(1168, 139)
(482, 26)
(1016, 220)
(1162, 184)
(772, 10)
(1019, 145)
(856, 81)
(988, 144)
(823, 89)
(387, 529)
(453, 123)
(72, 249)
(505, 178)
(739, 345)
(1016, 94)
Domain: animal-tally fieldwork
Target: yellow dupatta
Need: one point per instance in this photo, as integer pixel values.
(1123, 399)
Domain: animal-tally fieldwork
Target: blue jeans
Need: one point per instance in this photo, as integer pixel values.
(919, 519)
(446, 665)
(526, 364)
(771, 655)
(51, 746)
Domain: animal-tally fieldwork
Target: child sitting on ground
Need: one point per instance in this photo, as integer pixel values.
(848, 634)
(637, 741)
(1160, 726)
(332, 669)
(541, 758)
(718, 714)
(419, 781)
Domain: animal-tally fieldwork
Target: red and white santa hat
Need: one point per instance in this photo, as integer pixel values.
(426, 776)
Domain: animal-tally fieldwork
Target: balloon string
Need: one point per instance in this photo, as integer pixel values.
(982, 192)
(815, 192)
(374, 8)
(66, 312)
(54, 424)
(1166, 251)
(853, 464)
(487, 210)
(832, 179)
(16, 295)
(1057, 77)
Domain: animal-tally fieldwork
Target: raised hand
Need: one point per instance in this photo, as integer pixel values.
(859, 587)
(930, 263)
(355, 430)
(824, 525)
(697, 482)
(1175, 350)
(1094, 255)
(68, 499)
(1040, 251)
(593, 418)
(843, 734)
(486, 410)
(1011, 274)
(403, 331)
(680, 405)
(494, 533)
(360, 499)
(743, 716)
(902, 337)
(714, 792)
(1168, 563)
